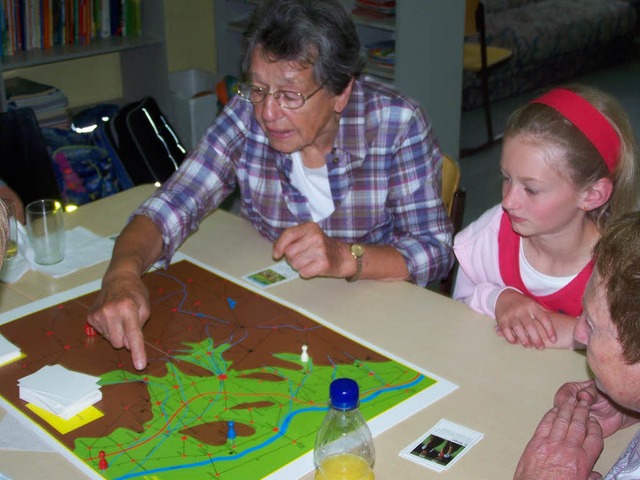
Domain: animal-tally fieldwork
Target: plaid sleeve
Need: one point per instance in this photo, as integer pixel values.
(205, 178)
(422, 228)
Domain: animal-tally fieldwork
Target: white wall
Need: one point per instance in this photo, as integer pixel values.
(431, 32)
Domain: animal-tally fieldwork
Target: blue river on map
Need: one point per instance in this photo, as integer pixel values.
(281, 432)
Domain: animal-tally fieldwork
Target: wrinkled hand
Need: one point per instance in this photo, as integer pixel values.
(312, 253)
(523, 320)
(609, 415)
(566, 445)
(121, 310)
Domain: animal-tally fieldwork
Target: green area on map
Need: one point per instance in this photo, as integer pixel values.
(225, 395)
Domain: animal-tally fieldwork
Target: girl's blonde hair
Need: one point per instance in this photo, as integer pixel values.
(584, 165)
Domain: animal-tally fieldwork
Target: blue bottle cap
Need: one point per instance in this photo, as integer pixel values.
(344, 394)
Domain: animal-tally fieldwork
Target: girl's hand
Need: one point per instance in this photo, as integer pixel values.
(523, 320)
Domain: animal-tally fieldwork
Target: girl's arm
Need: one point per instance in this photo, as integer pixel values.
(521, 319)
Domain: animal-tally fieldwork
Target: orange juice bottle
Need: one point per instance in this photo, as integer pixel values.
(344, 445)
(344, 466)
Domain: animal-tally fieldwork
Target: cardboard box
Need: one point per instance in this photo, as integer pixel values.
(193, 103)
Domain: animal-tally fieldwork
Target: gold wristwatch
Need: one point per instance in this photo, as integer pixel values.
(357, 251)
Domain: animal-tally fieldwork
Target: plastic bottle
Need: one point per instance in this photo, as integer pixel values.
(344, 446)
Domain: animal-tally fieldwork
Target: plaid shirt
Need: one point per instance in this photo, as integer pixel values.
(384, 171)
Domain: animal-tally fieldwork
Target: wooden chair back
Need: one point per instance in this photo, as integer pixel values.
(450, 181)
(453, 198)
(470, 22)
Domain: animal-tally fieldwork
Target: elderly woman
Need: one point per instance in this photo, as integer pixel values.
(569, 438)
(343, 174)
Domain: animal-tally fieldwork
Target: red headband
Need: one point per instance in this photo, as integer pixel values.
(589, 121)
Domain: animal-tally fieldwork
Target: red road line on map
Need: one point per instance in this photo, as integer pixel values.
(184, 405)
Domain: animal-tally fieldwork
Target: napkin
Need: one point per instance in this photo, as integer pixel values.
(83, 248)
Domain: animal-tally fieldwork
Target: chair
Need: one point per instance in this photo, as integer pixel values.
(453, 198)
(480, 58)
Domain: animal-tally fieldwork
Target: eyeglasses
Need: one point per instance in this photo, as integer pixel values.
(285, 98)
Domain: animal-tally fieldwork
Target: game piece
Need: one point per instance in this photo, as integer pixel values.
(89, 330)
(102, 463)
(231, 433)
(304, 356)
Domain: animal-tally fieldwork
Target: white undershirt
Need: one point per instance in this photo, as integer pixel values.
(313, 183)
(538, 283)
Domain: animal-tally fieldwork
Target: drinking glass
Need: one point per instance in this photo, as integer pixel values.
(45, 228)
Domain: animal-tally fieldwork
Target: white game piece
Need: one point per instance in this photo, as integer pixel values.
(304, 356)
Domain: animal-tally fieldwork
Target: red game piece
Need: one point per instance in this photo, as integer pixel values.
(102, 464)
(89, 330)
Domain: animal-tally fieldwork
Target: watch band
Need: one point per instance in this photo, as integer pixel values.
(357, 251)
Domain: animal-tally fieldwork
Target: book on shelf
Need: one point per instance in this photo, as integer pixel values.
(40, 24)
(381, 59)
(383, 52)
(18, 88)
(104, 16)
(381, 5)
(374, 9)
(47, 102)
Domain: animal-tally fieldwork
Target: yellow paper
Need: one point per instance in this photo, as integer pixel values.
(88, 415)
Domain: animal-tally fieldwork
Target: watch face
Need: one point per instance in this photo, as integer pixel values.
(357, 250)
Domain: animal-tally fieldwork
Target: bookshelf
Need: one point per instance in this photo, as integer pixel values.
(428, 38)
(143, 59)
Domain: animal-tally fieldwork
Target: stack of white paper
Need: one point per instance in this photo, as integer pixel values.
(8, 351)
(63, 392)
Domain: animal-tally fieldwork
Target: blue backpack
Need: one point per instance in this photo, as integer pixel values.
(84, 172)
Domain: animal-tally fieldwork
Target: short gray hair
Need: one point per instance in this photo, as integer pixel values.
(309, 32)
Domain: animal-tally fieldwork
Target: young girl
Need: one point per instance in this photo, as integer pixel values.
(569, 167)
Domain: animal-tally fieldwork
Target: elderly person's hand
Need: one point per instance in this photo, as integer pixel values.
(120, 312)
(312, 253)
(609, 415)
(566, 444)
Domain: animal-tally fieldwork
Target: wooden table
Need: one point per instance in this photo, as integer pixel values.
(504, 389)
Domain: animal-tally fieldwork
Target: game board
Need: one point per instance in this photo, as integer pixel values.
(225, 394)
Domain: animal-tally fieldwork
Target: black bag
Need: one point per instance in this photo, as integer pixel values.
(24, 159)
(147, 145)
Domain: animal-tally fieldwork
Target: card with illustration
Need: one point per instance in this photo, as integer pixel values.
(273, 275)
(441, 446)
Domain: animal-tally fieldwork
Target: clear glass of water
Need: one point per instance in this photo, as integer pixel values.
(45, 228)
